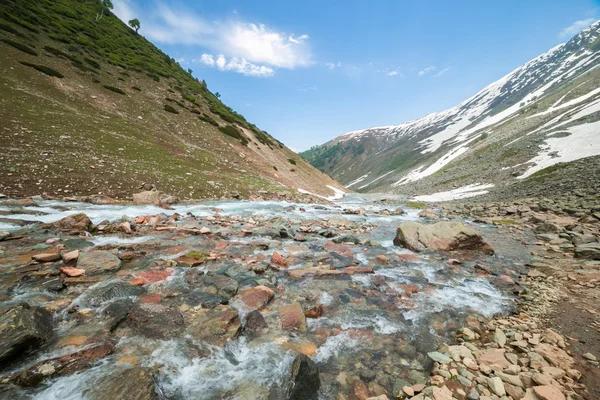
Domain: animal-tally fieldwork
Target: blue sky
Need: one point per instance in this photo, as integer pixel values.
(309, 71)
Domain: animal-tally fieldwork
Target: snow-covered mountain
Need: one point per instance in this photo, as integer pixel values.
(534, 99)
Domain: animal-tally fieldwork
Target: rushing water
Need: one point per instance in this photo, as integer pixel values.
(371, 322)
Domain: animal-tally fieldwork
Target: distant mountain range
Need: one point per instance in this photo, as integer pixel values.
(542, 113)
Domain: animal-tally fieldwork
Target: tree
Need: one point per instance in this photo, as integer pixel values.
(189, 70)
(134, 24)
(218, 95)
(105, 7)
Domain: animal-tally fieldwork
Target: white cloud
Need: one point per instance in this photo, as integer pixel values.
(576, 27)
(392, 73)
(254, 49)
(441, 73)
(236, 65)
(123, 10)
(306, 88)
(427, 70)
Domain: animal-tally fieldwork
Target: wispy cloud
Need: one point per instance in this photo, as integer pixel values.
(237, 65)
(576, 27)
(247, 48)
(441, 72)
(427, 70)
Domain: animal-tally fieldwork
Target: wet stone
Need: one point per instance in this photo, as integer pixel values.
(155, 321)
(98, 262)
(132, 384)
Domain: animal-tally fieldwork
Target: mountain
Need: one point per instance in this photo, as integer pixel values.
(89, 106)
(518, 128)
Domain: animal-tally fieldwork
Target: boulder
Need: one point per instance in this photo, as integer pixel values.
(59, 366)
(547, 227)
(155, 321)
(98, 262)
(443, 236)
(147, 197)
(74, 224)
(255, 323)
(548, 392)
(304, 381)
(133, 384)
(23, 330)
(102, 292)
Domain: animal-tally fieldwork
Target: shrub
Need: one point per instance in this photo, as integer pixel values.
(275, 168)
(136, 88)
(170, 109)
(20, 46)
(232, 131)
(208, 119)
(10, 29)
(43, 69)
(113, 89)
(93, 63)
(79, 65)
(292, 161)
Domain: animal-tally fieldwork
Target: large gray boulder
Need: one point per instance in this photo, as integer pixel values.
(23, 330)
(442, 236)
(304, 379)
(98, 262)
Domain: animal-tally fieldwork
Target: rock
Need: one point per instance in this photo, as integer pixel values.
(304, 379)
(59, 366)
(147, 197)
(346, 239)
(74, 224)
(204, 230)
(473, 394)
(23, 330)
(548, 392)
(102, 292)
(443, 236)
(589, 356)
(97, 262)
(589, 251)
(554, 355)
(493, 357)
(495, 384)
(457, 353)
(499, 337)
(211, 282)
(359, 391)
(256, 298)
(547, 227)
(133, 384)
(46, 257)
(255, 322)
(441, 393)
(155, 321)
(4, 235)
(292, 317)
(439, 357)
(216, 325)
(70, 257)
(72, 272)
(408, 391)
(278, 260)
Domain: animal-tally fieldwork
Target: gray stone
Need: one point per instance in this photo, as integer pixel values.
(23, 330)
(439, 357)
(97, 262)
(443, 236)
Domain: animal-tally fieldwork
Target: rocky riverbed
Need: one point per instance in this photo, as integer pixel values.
(276, 300)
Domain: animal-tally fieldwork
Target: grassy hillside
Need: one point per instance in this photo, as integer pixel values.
(88, 106)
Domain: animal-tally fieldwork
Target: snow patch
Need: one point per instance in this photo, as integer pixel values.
(464, 192)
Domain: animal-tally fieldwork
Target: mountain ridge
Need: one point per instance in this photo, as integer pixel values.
(385, 158)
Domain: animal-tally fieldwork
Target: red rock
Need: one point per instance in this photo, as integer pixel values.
(357, 270)
(72, 271)
(382, 259)
(70, 257)
(125, 227)
(257, 297)
(493, 357)
(555, 356)
(454, 261)
(278, 260)
(359, 391)
(548, 392)
(140, 220)
(340, 248)
(152, 276)
(410, 288)
(292, 317)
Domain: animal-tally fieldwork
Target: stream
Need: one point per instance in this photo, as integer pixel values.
(376, 327)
